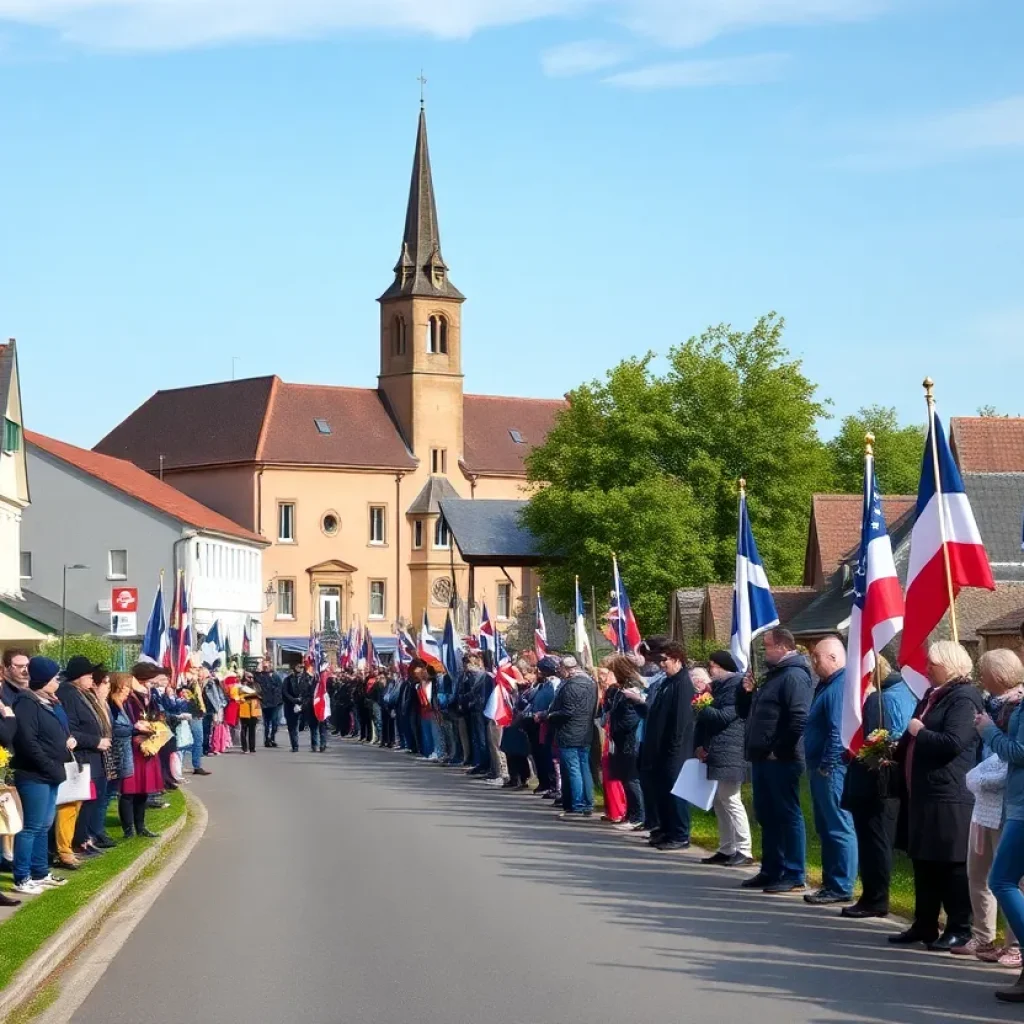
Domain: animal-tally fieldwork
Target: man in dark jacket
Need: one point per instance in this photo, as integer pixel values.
(270, 687)
(572, 716)
(776, 713)
(298, 689)
(668, 742)
(475, 691)
(719, 741)
(653, 675)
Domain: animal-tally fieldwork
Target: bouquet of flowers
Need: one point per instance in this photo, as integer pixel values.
(878, 751)
(701, 701)
(5, 760)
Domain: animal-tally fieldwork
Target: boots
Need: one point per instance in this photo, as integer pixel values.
(1014, 994)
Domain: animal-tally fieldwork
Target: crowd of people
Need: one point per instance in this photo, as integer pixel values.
(940, 778)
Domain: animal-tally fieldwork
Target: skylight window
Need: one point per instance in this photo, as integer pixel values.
(322, 426)
(517, 437)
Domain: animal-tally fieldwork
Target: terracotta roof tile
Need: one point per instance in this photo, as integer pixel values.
(1008, 623)
(788, 601)
(976, 608)
(488, 421)
(138, 484)
(836, 521)
(989, 444)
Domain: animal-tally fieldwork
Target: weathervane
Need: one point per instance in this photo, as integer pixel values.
(423, 86)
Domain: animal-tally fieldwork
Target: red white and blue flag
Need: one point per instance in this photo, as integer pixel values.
(499, 704)
(624, 632)
(428, 650)
(540, 632)
(945, 533)
(154, 643)
(877, 613)
(486, 631)
(179, 633)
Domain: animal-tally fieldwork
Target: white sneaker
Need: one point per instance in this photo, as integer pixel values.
(495, 782)
(624, 826)
(28, 888)
(51, 881)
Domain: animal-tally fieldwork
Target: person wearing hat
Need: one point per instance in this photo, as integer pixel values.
(719, 742)
(544, 758)
(42, 744)
(92, 736)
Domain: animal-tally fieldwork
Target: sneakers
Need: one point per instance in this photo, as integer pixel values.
(978, 949)
(28, 887)
(498, 782)
(51, 881)
(624, 826)
(1005, 956)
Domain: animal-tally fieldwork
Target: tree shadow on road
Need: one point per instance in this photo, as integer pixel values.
(777, 945)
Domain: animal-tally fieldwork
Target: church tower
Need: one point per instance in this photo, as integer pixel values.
(420, 330)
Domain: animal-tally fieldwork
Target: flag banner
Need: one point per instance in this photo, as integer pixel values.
(540, 632)
(451, 655)
(625, 633)
(486, 631)
(583, 648)
(428, 650)
(212, 648)
(944, 534)
(154, 643)
(753, 608)
(877, 613)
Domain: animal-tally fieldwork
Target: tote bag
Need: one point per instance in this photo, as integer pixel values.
(10, 811)
(76, 785)
(183, 735)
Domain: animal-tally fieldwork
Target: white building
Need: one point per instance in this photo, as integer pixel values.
(14, 496)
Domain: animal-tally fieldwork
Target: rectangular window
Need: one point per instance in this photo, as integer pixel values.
(442, 538)
(286, 599)
(378, 599)
(377, 520)
(12, 436)
(117, 564)
(417, 533)
(504, 600)
(26, 565)
(286, 522)
(439, 461)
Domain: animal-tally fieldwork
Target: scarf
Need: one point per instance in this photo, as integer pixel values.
(99, 709)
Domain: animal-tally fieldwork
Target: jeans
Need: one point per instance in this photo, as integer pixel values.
(576, 761)
(271, 721)
(197, 744)
(478, 732)
(38, 810)
(634, 802)
(835, 830)
(291, 717)
(426, 734)
(317, 733)
(1007, 871)
(777, 809)
(97, 809)
(207, 732)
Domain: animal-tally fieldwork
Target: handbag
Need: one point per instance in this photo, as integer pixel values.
(183, 735)
(11, 820)
(76, 785)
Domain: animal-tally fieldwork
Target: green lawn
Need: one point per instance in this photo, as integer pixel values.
(39, 917)
(901, 894)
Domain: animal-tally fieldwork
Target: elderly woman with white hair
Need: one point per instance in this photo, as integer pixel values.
(937, 751)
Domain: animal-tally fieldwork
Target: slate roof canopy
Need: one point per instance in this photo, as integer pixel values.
(489, 532)
(427, 502)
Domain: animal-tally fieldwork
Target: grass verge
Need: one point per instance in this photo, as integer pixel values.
(704, 832)
(40, 917)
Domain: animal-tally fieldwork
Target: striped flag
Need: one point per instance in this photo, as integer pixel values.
(540, 632)
(428, 650)
(753, 608)
(486, 631)
(877, 613)
(154, 643)
(946, 554)
(622, 622)
(583, 648)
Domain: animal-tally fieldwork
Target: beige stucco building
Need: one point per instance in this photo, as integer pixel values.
(345, 482)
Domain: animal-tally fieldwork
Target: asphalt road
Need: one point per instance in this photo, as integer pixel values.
(360, 886)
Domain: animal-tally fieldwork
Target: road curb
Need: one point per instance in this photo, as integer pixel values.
(56, 952)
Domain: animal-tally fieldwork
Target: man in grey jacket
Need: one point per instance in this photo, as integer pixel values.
(572, 715)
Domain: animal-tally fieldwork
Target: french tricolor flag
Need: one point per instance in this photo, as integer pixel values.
(540, 632)
(946, 554)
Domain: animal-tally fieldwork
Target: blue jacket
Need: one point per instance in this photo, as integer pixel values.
(1010, 748)
(823, 738)
(898, 701)
(543, 695)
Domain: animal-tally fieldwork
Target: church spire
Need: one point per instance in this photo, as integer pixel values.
(420, 269)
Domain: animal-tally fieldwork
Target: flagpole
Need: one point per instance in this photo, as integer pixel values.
(593, 613)
(929, 398)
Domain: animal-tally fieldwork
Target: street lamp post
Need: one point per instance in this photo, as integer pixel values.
(64, 608)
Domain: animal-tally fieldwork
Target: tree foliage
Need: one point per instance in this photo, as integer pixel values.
(646, 465)
(898, 452)
(98, 649)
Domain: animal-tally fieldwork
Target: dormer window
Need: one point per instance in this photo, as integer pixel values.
(437, 335)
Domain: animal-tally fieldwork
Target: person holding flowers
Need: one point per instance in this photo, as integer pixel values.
(719, 742)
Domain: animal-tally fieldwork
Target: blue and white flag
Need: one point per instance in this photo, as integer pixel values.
(154, 643)
(753, 609)
(212, 649)
(583, 649)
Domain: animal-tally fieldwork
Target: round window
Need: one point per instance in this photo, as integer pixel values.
(330, 523)
(441, 591)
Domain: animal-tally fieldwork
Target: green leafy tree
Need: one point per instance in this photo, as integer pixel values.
(98, 649)
(898, 452)
(647, 466)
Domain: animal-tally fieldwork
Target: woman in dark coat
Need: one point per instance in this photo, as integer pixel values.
(515, 741)
(719, 741)
(622, 701)
(936, 752)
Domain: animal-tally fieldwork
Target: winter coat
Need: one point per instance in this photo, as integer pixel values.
(298, 689)
(668, 731)
(935, 766)
(271, 689)
(1010, 748)
(121, 743)
(84, 727)
(623, 725)
(477, 690)
(572, 711)
(823, 738)
(776, 712)
(41, 742)
(719, 731)
(8, 727)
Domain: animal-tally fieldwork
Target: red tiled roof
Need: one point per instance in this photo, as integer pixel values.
(989, 444)
(1009, 623)
(138, 484)
(979, 608)
(788, 601)
(362, 432)
(487, 424)
(835, 526)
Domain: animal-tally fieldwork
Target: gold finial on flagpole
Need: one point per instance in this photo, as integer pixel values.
(743, 487)
(928, 384)
(869, 443)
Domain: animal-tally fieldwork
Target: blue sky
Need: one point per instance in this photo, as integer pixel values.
(187, 181)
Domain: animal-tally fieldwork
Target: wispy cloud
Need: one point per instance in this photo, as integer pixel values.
(582, 58)
(172, 24)
(690, 74)
(954, 134)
